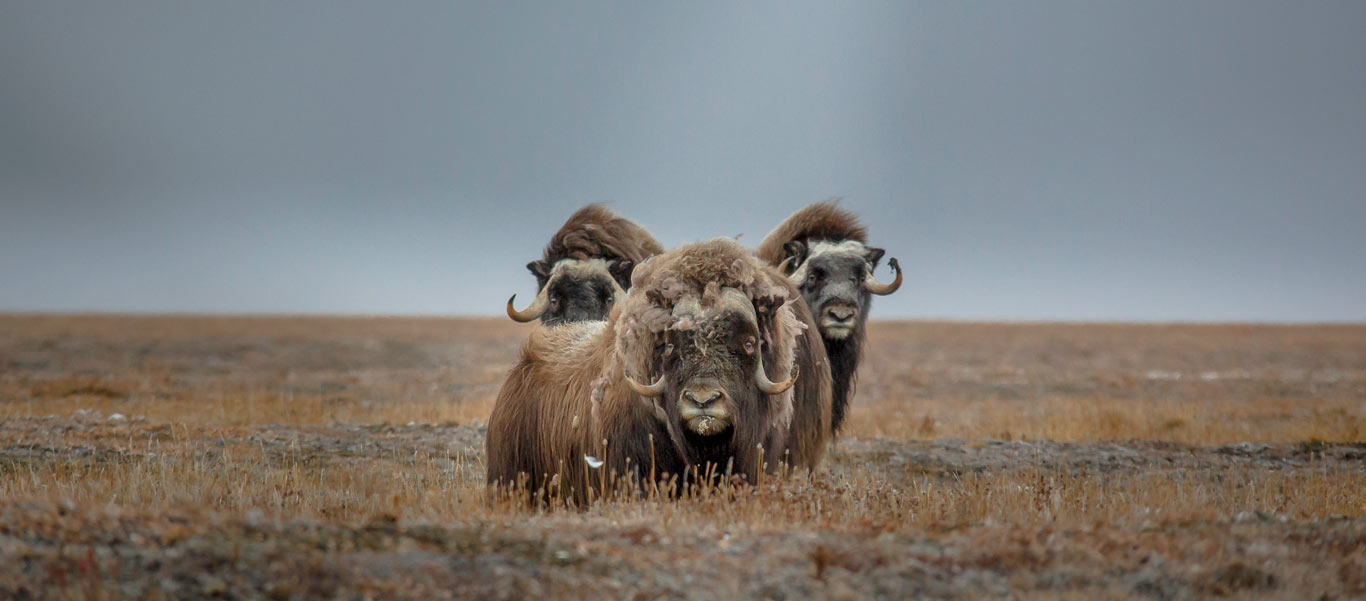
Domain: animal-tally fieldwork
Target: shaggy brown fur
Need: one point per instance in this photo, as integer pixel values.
(819, 221)
(811, 403)
(595, 232)
(568, 394)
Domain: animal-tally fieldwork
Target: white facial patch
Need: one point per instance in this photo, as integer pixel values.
(580, 269)
(844, 247)
(585, 269)
(852, 248)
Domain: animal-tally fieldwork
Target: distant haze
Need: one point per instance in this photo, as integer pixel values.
(1156, 160)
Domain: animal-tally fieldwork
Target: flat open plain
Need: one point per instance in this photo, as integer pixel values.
(293, 458)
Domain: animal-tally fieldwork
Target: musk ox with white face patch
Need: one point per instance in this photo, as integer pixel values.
(824, 251)
(586, 267)
(709, 362)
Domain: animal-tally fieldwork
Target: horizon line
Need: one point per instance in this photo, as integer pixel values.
(495, 317)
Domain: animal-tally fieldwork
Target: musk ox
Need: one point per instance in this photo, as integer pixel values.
(823, 250)
(708, 364)
(586, 267)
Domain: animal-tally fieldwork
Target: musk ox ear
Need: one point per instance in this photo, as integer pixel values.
(766, 306)
(656, 298)
(540, 269)
(873, 255)
(641, 271)
(794, 252)
(621, 271)
(766, 311)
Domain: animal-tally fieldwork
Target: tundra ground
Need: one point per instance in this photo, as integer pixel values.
(244, 458)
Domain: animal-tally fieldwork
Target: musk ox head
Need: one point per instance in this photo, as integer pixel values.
(585, 267)
(711, 365)
(708, 338)
(573, 290)
(836, 280)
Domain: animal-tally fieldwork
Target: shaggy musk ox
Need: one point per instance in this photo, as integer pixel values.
(707, 360)
(824, 251)
(586, 267)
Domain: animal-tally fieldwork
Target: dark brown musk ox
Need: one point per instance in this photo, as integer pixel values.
(586, 267)
(823, 250)
(707, 361)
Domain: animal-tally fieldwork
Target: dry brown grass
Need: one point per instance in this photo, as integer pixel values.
(1220, 421)
(1087, 420)
(1192, 384)
(239, 470)
(250, 408)
(226, 423)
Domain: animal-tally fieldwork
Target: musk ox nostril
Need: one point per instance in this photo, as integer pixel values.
(702, 398)
(841, 313)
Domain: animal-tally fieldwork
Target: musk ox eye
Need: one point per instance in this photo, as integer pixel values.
(811, 278)
(749, 345)
(668, 348)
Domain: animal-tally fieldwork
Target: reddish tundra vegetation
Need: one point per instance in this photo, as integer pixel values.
(291, 458)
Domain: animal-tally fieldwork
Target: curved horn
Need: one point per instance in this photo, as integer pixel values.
(786, 262)
(651, 391)
(537, 307)
(769, 386)
(872, 285)
(798, 275)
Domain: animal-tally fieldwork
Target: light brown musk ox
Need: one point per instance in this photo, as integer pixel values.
(586, 267)
(708, 365)
(823, 250)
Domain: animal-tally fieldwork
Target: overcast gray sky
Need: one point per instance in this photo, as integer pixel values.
(1083, 160)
